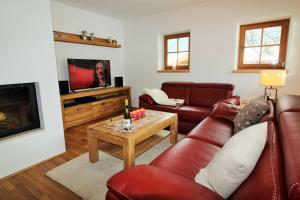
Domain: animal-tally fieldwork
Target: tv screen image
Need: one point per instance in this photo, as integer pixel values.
(85, 73)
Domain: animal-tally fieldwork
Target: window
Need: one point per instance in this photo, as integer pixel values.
(263, 45)
(177, 51)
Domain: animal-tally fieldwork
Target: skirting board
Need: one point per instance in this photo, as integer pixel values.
(30, 167)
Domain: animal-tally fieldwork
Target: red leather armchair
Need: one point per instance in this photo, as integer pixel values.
(198, 101)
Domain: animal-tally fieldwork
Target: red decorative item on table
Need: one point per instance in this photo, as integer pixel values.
(137, 114)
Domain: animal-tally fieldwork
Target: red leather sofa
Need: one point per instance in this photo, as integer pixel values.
(198, 101)
(171, 175)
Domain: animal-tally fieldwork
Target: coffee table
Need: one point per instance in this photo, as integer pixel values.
(109, 131)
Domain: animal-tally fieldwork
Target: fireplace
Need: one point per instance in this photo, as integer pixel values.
(18, 109)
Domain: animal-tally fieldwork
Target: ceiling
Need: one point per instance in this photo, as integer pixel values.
(123, 9)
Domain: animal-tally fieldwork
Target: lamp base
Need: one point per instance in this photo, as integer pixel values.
(269, 96)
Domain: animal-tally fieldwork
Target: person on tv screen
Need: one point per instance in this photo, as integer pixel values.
(100, 75)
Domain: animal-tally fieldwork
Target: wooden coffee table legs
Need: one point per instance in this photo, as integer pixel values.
(128, 151)
(93, 148)
(173, 132)
(128, 154)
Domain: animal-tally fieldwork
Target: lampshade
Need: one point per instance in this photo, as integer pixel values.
(274, 78)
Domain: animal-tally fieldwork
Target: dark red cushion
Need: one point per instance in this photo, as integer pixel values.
(212, 130)
(225, 111)
(207, 97)
(186, 158)
(177, 90)
(226, 86)
(194, 114)
(235, 100)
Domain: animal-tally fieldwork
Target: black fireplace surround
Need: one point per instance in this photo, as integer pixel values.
(18, 109)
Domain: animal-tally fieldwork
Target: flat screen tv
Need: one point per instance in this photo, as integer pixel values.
(87, 73)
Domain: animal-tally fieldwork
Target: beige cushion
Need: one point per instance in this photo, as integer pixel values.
(231, 165)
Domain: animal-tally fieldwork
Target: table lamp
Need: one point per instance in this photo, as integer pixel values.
(271, 79)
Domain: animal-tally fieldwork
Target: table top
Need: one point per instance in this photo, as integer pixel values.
(153, 120)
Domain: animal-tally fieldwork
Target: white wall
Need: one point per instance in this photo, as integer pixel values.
(214, 27)
(27, 55)
(73, 20)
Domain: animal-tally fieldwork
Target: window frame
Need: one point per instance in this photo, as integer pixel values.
(173, 36)
(282, 47)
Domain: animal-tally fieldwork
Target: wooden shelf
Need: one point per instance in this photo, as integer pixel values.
(74, 38)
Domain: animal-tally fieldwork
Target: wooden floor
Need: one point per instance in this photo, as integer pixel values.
(34, 184)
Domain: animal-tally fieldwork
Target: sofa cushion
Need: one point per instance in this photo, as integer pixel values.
(225, 111)
(235, 161)
(250, 115)
(177, 90)
(235, 100)
(186, 157)
(194, 114)
(212, 130)
(207, 97)
(226, 86)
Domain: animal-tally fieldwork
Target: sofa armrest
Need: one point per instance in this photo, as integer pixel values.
(147, 99)
(150, 182)
(235, 100)
(225, 111)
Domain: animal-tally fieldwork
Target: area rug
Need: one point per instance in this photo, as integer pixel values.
(88, 180)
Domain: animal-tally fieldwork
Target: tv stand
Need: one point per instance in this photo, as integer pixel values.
(84, 106)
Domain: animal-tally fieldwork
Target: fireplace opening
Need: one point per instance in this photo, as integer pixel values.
(18, 109)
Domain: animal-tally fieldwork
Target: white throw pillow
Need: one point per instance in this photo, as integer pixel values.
(235, 161)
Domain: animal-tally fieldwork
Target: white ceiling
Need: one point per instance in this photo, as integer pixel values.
(123, 9)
